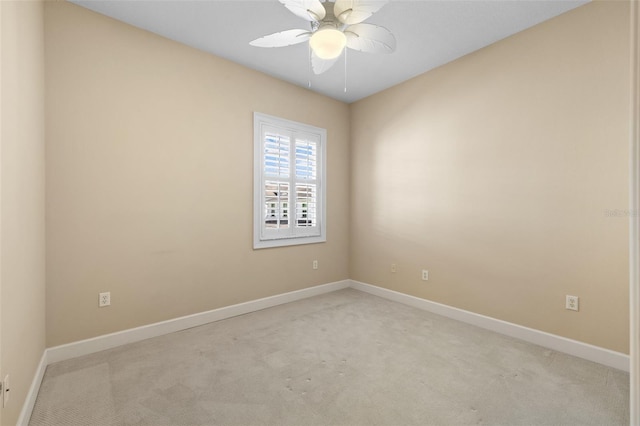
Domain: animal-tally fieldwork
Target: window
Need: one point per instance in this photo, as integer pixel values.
(289, 183)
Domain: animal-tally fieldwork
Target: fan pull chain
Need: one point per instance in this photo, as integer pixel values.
(345, 70)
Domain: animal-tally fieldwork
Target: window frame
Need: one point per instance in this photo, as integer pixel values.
(293, 235)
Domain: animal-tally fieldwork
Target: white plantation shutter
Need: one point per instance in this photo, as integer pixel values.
(306, 183)
(289, 174)
(276, 171)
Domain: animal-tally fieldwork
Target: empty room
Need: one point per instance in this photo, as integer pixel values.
(305, 212)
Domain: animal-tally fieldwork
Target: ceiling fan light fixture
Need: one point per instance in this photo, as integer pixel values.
(335, 25)
(328, 43)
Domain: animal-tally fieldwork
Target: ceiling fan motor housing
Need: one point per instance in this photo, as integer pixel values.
(328, 39)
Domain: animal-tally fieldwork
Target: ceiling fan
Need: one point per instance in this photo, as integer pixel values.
(334, 26)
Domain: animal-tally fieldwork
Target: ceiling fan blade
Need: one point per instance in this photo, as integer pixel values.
(370, 38)
(283, 38)
(355, 11)
(321, 65)
(311, 10)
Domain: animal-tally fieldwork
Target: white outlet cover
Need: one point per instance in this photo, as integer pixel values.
(572, 303)
(104, 299)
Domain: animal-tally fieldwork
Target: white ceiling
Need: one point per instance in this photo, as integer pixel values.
(429, 34)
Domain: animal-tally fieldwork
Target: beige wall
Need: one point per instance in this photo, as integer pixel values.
(150, 174)
(22, 267)
(494, 172)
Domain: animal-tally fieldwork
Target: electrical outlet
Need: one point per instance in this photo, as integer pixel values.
(315, 264)
(104, 299)
(425, 275)
(572, 303)
(394, 268)
(5, 391)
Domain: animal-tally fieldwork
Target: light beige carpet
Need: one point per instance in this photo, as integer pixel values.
(344, 358)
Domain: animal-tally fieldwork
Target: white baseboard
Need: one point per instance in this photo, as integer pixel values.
(593, 353)
(108, 341)
(32, 395)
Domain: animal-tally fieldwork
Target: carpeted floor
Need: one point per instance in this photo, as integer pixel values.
(344, 358)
